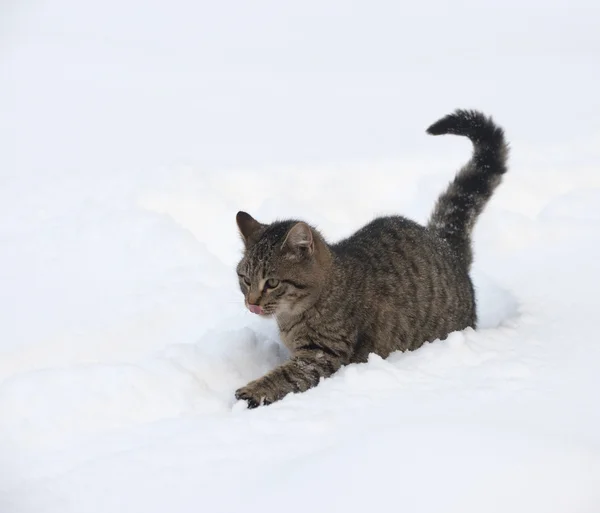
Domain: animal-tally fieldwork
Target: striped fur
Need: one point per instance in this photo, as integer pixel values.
(393, 285)
(457, 209)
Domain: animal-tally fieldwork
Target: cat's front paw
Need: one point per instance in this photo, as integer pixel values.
(257, 394)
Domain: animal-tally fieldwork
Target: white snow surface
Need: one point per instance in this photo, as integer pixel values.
(132, 132)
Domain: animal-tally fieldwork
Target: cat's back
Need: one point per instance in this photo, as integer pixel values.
(389, 234)
(394, 247)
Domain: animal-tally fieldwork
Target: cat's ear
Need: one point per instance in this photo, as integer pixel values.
(299, 240)
(250, 228)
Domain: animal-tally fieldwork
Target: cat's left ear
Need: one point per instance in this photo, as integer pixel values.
(299, 240)
(250, 228)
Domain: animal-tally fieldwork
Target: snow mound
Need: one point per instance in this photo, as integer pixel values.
(182, 379)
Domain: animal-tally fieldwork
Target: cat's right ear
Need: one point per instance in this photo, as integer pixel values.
(250, 228)
(299, 241)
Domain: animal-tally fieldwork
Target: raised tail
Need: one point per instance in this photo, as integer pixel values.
(457, 209)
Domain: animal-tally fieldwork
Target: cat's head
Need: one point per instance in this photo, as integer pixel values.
(283, 267)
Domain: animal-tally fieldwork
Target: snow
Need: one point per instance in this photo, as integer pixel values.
(132, 132)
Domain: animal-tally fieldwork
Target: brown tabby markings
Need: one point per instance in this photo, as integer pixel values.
(393, 285)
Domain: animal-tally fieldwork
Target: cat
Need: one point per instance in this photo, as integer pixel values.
(393, 285)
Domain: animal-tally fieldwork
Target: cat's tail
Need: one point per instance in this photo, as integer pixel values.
(459, 206)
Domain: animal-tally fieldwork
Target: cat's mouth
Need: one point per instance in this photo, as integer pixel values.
(256, 309)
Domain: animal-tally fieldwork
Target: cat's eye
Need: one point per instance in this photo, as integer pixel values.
(272, 283)
(245, 279)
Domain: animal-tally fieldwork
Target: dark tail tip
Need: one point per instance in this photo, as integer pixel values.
(469, 123)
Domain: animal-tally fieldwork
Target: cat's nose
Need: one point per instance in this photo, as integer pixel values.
(253, 298)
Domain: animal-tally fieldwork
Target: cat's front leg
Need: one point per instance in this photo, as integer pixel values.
(303, 371)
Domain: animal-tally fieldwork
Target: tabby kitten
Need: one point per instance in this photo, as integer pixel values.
(393, 285)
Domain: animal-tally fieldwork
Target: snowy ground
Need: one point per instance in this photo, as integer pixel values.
(123, 334)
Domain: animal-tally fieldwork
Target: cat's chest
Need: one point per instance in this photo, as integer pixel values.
(294, 334)
(291, 337)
